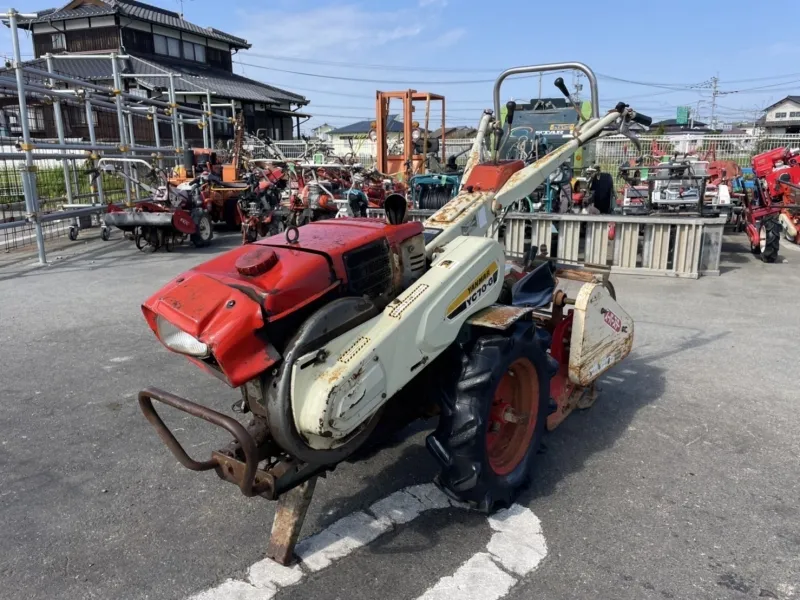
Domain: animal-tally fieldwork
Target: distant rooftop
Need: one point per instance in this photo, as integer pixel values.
(393, 125)
(130, 8)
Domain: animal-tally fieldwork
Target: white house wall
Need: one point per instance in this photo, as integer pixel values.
(361, 145)
(787, 107)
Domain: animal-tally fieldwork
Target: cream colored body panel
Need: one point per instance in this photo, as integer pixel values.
(364, 367)
(602, 334)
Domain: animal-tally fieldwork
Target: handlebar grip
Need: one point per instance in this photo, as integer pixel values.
(559, 83)
(643, 119)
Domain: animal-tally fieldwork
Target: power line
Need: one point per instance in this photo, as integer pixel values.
(671, 87)
(366, 80)
(333, 63)
(353, 65)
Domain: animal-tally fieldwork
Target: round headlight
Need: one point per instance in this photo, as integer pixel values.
(416, 134)
(180, 341)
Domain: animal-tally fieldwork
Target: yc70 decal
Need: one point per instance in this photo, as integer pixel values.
(474, 291)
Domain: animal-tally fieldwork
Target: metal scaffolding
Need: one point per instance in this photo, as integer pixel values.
(88, 99)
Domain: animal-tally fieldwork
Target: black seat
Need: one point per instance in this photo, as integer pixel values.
(536, 289)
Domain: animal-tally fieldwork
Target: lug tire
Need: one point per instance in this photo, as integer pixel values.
(105, 234)
(769, 233)
(205, 232)
(73, 233)
(472, 469)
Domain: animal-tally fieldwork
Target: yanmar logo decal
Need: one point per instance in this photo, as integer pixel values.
(474, 291)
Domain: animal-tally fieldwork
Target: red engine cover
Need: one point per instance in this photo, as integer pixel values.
(227, 300)
(335, 237)
(492, 176)
(765, 162)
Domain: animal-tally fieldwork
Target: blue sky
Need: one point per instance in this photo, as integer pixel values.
(667, 52)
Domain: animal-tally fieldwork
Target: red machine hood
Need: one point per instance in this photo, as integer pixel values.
(226, 310)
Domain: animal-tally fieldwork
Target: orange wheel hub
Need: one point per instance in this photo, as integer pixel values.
(512, 419)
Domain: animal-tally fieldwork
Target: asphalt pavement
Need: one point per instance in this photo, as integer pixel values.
(683, 481)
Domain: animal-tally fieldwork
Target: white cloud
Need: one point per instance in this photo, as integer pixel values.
(334, 33)
(448, 38)
(322, 38)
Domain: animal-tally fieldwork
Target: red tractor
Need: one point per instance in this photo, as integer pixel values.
(772, 206)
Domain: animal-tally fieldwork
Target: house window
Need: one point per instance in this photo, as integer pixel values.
(794, 114)
(780, 115)
(167, 46)
(174, 46)
(58, 41)
(36, 118)
(194, 52)
(76, 116)
(160, 44)
(220, 126)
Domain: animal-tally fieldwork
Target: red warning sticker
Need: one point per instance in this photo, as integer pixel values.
(613, 321)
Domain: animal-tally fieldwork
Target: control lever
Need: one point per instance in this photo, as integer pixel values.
(562, 87)
(627, 115)
(511, 107)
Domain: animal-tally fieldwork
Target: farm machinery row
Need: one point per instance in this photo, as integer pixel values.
(342, 331)
(263, 196)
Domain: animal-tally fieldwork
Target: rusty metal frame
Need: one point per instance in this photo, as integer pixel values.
(289, 518)
(250, 481)
(290, 482)
(382, 100)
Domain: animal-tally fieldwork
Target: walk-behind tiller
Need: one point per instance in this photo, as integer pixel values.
(350, 328)
(168, 217)
(773, 206)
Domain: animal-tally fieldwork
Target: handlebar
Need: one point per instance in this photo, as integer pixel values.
(595, 96)
(642, 119)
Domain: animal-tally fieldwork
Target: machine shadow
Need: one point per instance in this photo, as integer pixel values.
(634, 384)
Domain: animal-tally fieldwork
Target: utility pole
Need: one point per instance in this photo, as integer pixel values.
(576, 83)
(714, 94)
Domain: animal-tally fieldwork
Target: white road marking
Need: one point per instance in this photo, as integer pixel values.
(120, 359)
(515, 549)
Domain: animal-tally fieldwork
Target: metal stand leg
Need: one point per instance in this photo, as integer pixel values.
(289, 517)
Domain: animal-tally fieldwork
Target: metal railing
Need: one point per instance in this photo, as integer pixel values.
(363, 150)
(635, 245)
(612, 151)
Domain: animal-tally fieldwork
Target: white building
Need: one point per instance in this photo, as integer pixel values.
(782, 117)
(355, 137)
(322, 132)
